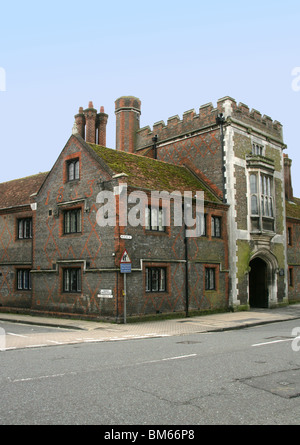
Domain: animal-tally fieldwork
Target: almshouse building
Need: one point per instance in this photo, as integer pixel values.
(61, 245)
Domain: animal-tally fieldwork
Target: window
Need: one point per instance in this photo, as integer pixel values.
(72, 280)
(72, 221)
(289, 236)
(253, 191)
(201, 224)
(155, 279)
(73, 169)
(25, 228)
(257, 149)
(154, 219)
(23, 279)
(291, 278)
(261, 201)
(266, 196)
(210, 278)
(216, 227)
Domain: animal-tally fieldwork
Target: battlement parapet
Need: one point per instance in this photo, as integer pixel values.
(253, 118)
(192, 122)
(176, 127)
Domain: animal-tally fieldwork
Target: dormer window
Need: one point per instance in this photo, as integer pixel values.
(73, 169)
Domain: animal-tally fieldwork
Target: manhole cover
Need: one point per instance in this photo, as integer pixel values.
(285, 384)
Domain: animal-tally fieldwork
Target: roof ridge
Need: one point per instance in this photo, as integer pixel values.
(24, 177)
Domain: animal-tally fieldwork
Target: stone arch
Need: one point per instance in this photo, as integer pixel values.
(263, 279)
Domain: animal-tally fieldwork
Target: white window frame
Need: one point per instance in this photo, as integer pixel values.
(263, 195)
(155, 219)
(73, 170)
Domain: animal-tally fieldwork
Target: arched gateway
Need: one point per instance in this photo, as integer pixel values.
(263, 279)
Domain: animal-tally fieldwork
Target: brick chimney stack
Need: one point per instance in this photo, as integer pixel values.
(90, 118)
(288, 178)
(80, 122)
(128, 111)
(92, 126)
(101, 126)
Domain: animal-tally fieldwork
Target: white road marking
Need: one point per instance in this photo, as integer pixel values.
(28, 379)
(168, 358)
(272, 342)
(17, 335)
(78, 340)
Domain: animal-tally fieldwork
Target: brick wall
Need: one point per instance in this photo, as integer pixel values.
(90, 250)
(293, 247)
(15, 254)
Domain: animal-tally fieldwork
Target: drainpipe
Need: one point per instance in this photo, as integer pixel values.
(186, 256)
(186, 273)
(220, 120)
(154, 140)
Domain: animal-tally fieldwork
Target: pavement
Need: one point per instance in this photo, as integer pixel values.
(78, 331)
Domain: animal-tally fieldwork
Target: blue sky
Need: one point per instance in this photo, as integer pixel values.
(173, 55)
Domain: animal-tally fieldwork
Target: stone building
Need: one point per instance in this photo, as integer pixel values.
(240, 153)
(61, 246)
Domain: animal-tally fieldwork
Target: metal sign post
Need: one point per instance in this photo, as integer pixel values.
(125, 297)
(125, 268)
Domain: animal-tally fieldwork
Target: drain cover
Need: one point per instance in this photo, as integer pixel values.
(285, 384)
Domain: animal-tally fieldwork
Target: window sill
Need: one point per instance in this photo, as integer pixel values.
(72, 293)
(72, 181)
(72, 233)
(158, 292)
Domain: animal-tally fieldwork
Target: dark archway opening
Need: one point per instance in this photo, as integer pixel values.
(258, 284)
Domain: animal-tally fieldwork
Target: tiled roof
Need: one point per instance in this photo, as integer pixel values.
(17, 192)
(293, 208)
(152, 174)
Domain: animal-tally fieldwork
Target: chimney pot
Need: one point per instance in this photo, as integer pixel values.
(90, 118)
(101, 126)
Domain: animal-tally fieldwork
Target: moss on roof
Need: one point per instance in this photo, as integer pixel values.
(293, 208)
(148, 173)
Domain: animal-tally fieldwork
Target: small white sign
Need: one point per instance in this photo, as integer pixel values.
(105, 296)
(126, 236)
(105, 291)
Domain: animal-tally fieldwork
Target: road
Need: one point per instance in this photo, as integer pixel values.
(249, 376)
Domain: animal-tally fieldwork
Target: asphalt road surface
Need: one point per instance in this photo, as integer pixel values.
(248, 376)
